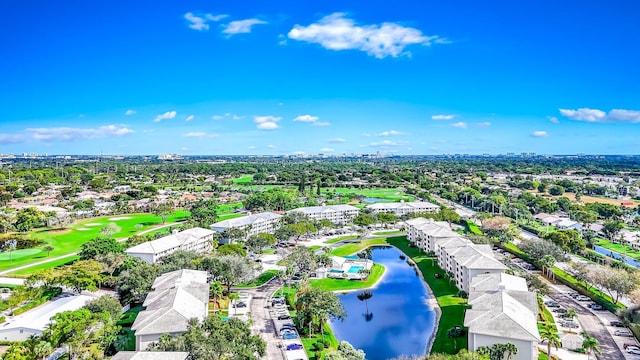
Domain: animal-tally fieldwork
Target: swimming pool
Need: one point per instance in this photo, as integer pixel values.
(355, 269)
(336, 271)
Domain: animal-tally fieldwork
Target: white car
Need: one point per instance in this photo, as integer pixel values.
(625, 332)
(633, 350)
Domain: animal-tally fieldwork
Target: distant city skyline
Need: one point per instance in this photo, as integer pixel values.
(283, 77)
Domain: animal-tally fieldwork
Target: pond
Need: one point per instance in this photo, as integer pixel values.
(396, 320)
(629, 260)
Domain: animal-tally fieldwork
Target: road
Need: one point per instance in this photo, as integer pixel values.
(74, 253)
(262, 323)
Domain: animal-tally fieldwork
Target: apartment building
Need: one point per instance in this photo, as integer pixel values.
(403, 208)
(253, 224)
(197, 240)
(337, 214)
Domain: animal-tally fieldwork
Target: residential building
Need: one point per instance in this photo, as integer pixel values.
(504, 316)
(337, 214)
(35, 321)
(423, 232)
(403, 208)
(177, 297)
(253, 224)
(197, 239)
(148, 355)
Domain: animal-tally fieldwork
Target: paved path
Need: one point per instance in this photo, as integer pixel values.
(74, 253)
(262, 322)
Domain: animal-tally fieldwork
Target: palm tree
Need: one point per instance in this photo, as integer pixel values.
(550, 334)
(571, 314)
(217, 290)
(42, 349)
(591, 344)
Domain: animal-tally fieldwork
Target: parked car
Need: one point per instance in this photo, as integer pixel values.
(560, 310)
(289, 335)
(623, 332)
(574, 294)
(240, 304)
(626, 345)
(569, 323)
(582, 298)
(597, 307)
(552, 303)
(633, 350)
(617, 323)
(284, 317)
(294, 346)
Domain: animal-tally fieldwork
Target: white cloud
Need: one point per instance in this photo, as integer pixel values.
(217, 117)
(335, 32)
(236, 117)
(553, 119)
(241, 26)
(189, 118)
(321, 123)
(483, 125)
(442, 117)
(599, 116)
(129, 112)
(165, 116)
(388, 143)
(270, 146)
(540, 134)
(75, 134)
(460, 125)
(326, 149)
(200, 23)
(267, 122)
(200, 134)
(10, 139)
(306, 118)
(337, 140)
(391, 133)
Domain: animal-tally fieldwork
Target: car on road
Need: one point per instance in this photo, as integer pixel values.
(617, 323)
(626, 345)
(560, 310)
(294, 347)
(574, 294)
(284, 317)
(623, 332)
(595, 306)
(552, 303)
(289, 335)
(582, 298)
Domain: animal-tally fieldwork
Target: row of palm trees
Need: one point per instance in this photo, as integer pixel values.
(550, 335)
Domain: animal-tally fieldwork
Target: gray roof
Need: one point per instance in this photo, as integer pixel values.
(323, 208)
(246, 220)
(178, 297)
(491, 282)
(432, 228)
(170, 241)
(500, 314)
(147, 355)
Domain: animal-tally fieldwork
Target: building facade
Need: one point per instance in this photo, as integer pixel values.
(198, 240)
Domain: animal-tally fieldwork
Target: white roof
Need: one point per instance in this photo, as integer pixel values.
(402, 205)
(501, 315)
(432, 228)
(178, 297)
(320, 209)
(39, 317)
(148, 355)
(246, 220)
(490, 282)
(566, 223)
(170, 241)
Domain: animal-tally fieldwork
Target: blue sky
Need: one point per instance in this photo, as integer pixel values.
(319, 76)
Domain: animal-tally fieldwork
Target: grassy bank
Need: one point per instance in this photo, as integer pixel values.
(260, 280)
(350, 249)
(340, 238)
(452, 307)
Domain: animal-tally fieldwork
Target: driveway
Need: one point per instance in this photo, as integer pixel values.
(262, 323)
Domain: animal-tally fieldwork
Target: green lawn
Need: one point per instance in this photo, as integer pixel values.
(243, 179)
(18, 254)
(384, 193)
(70, 239)
(260, 280)
(329, 337)
(340, 238)
(129, 316)
(350, 249)
(394, 232)
(452, 307)
(228, 208)
(473, 228)
(30, 270)
(341, 284)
